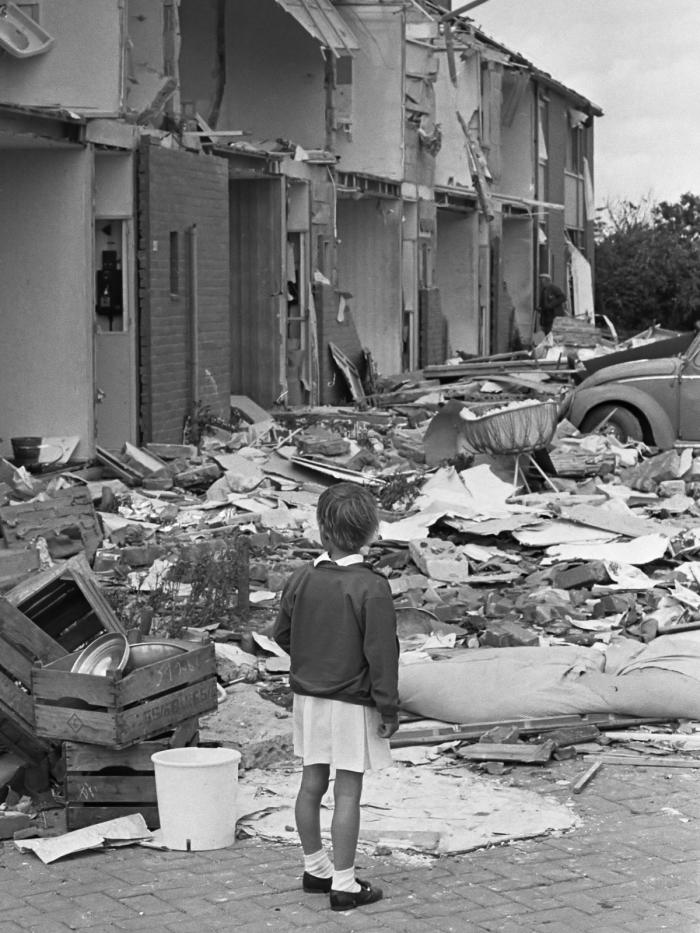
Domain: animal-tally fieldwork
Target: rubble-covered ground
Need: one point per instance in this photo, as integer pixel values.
(571, 542)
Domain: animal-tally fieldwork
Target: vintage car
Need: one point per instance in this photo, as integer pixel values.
(650, 394)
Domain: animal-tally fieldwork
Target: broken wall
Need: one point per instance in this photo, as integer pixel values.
(518, 274)
(91, 34)
(258, 288)
(369, 268)
(183, 288)
(556, 162)
(151, 55)
(458, 278)
(451, 165)
(375, 143)
(200, 64)
(46, 300)
(518, 134)
(422, 135)
(275, 72)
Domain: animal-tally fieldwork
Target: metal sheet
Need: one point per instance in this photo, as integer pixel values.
(323, 23)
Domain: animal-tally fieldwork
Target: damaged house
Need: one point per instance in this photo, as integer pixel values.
(263, 197)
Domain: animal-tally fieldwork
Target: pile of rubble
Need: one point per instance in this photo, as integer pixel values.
(589, 544)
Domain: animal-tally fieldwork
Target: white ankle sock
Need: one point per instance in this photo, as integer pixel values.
(345, 880)
(318, 864)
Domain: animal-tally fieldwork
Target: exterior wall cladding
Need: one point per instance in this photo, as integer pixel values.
(176, 191)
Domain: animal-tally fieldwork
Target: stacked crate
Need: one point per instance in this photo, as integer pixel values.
(22, 644)
(111, 725)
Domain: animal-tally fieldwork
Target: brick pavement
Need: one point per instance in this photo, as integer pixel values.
(634, 865)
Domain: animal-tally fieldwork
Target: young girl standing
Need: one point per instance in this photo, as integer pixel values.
(337, 622)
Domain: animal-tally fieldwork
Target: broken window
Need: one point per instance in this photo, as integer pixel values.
(574, 150)
(343, 91)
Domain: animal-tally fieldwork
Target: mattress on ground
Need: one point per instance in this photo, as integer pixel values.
(661, 680)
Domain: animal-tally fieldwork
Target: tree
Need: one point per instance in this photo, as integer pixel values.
(647, 263)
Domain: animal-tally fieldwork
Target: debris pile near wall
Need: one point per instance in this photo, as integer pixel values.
(587, 546)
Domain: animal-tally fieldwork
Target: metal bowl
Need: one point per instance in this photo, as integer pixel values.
(148, 652)
(107, 653)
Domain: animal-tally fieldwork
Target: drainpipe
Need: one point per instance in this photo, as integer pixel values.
(194, 313)
(329, 84)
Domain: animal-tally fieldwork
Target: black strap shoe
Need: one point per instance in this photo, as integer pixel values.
(312, 884)
(347, 900)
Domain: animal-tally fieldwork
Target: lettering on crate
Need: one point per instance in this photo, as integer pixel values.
(173, 670)
(86, 792)
(179, 704)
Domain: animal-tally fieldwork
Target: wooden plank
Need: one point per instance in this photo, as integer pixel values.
(18, 630)
(16, 705)
(120, 469)
(187, 668)
(78, 816)
(496, 751)
(96, 598)
(573, 735)
(15, 663)
(649, 761)
(26, 744)
(76, 725)
(80, 756)
(586, 777)
(52, 683)
(110, 788)
(28, 588)
(444, 732)
(150, 718)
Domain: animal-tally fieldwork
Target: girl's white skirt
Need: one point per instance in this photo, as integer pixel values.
(343, 735)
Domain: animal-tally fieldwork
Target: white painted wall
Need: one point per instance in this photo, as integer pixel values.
(46, 295)
(145, 57)
(457, 277)
(517, 270)
(114, 184)
(275, 74)
(198, 55)
(518, 151)
(451, 167)
(376, 146)
(369, 266)
(82, 70)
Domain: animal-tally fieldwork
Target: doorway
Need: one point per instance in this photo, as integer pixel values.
(115, 365)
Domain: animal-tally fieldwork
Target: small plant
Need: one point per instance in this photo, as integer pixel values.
(201, 587)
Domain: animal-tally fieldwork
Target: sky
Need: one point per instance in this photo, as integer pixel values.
(639, 60)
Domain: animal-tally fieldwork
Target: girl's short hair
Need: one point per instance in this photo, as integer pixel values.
(347, 516)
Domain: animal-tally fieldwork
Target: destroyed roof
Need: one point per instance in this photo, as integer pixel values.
(45, 124)
(323, 23)
(467, 27)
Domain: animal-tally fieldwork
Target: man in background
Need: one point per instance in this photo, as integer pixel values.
(552, 302)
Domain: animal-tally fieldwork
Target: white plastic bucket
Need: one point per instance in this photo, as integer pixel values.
(196, 793)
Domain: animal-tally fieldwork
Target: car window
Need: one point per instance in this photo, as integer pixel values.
(692, 362)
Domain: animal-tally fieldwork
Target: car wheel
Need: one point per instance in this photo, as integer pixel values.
(619, 421)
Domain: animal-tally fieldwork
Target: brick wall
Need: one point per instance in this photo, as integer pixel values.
(432, 328)
(176, 191)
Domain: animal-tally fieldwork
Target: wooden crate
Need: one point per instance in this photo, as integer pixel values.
(22, 644)
(104, 783)
(66, 603)
(119, 710)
